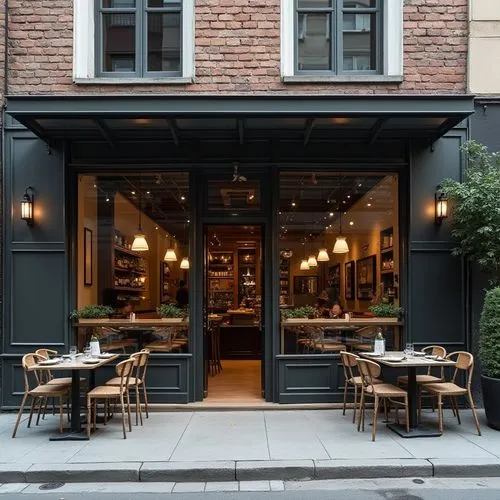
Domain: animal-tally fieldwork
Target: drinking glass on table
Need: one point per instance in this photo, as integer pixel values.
(73, 350)
(409, 349)
(86, 352)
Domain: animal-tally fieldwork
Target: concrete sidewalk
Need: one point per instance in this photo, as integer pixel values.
(245, 446)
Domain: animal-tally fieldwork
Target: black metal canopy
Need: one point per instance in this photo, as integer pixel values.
(241, 120)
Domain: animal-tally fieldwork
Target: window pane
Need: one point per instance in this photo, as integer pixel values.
(314, 4)
(118, 4)
(118, 42)
(164, 42)
(314, 48)
(360, 42)
(360, 4)
(163, 3)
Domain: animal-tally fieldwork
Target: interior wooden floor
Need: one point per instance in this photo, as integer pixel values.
(238, 382)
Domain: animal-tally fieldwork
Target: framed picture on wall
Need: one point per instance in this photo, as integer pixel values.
(349, 274)
(305, 285)
(366, 278)
(87, 257)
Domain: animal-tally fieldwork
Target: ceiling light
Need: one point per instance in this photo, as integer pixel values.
(170, 255)
(185, 263)
(107, 198)
(140, 244)
(133, 192)
(331, 214)
(323, 255)
(183, 198)
(304, 266)
(368, 204)
(293, 204)
(348, 196)
(311, 262)
(351, 223)
(341, 245)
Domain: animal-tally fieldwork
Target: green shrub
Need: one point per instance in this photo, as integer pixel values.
(92, 311)
(489, 334)
(170, 311)
(386, 310)
(298, 312)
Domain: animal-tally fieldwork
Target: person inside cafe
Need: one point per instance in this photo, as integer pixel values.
(321, 306)
(337, 311)
(182, 295)
(123, 309)
(331, 294)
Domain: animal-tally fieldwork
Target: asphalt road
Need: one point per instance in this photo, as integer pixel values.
(390, 489)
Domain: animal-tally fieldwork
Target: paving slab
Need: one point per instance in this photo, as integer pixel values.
(286, 470)
(222, 486)
(188, 471)
(466, 467)
(77, 473)
(189, 488)
(13, 473)
(371, 468)
(115, 488)
(12, 488)
(255, 486)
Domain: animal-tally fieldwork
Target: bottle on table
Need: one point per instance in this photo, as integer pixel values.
(379, 347)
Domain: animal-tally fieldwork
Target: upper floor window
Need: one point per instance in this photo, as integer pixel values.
(338, 36)
(139, 37)
(342, 40)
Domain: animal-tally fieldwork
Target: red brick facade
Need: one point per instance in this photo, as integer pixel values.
(237, 50)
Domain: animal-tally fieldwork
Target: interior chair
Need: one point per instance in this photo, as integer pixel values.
(114, 340)
(464, 362)
(370, 371)
(326, 345)
(363, 339)
(113, 392)
(39, 391)
(137, 380)
(349, 363)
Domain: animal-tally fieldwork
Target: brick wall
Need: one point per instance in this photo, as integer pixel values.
(238, 50)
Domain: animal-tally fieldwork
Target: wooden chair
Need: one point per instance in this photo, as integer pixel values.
(434, 350)
(50, 379)
(325, 345)
(370, 371)
(136, 380)
(464, 361)
(39, 391)
(349, 362)
(112, 392)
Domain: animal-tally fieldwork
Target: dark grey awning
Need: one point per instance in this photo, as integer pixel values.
(240, 118)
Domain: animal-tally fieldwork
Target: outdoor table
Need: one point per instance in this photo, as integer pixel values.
(411, 363)
(75, 431)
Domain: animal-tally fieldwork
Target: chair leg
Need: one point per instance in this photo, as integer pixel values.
(19, 413)
(345, 397)
(43, 403)
(123, 416)
(474, 414)
(128, 411)
(440, 411)
(374, 420)
(33, 404)
(454, 405)
(407, 416)
(385, 410)
(361, 409)
(145, 398)
(94, 420)
(87, 424)
(355, 403)
(138, 404)
(61, 414)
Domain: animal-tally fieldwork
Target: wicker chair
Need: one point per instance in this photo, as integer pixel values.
(464, 361)
(370, 371)
(38, 390)
(112, 392)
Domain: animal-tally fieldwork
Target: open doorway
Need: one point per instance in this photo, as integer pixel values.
(233, 323)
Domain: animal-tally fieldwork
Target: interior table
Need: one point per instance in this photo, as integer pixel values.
(411, 363)
(75, 432)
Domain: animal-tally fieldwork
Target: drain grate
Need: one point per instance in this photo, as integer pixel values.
(50, 486)
(418, 481)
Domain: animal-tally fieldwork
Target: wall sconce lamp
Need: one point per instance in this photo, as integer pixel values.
(441, 205)
(27, 206)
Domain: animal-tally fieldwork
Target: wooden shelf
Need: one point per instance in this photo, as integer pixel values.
(387, 271)
(387, 250)
(127, 251)
(128, 289)
(129, 270)
(221, 277)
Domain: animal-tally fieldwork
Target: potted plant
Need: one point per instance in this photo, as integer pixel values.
(298, 312)
(171, 312)
(383, 310)
(92, 312)
(476, 231)
(489, 354)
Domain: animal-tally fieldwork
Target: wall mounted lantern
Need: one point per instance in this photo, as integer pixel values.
(27, 206)
(441, 205)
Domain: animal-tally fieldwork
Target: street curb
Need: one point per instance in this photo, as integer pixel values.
(248, 470)
(181, 472)
(467, 467)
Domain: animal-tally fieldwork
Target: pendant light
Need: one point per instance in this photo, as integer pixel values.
(311, 261)
(341, 245)
(304, 265)
(323, 255)
(184, 263)
(170, 255)
(140, 244)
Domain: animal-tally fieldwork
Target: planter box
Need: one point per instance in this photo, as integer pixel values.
(491, 400)
(83, 321)
(173, 320)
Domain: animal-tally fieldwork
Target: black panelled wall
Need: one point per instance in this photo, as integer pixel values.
(34, 260)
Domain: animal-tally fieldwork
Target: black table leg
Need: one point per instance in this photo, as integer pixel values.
(75, 432)
(416, 430)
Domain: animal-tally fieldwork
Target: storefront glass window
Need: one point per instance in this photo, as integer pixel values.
(339, 255)
(131, 227)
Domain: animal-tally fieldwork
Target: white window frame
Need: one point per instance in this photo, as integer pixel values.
(392, 51)
(84, 70)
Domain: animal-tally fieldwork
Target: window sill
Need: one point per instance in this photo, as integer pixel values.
(172, 80)
(342, 79)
